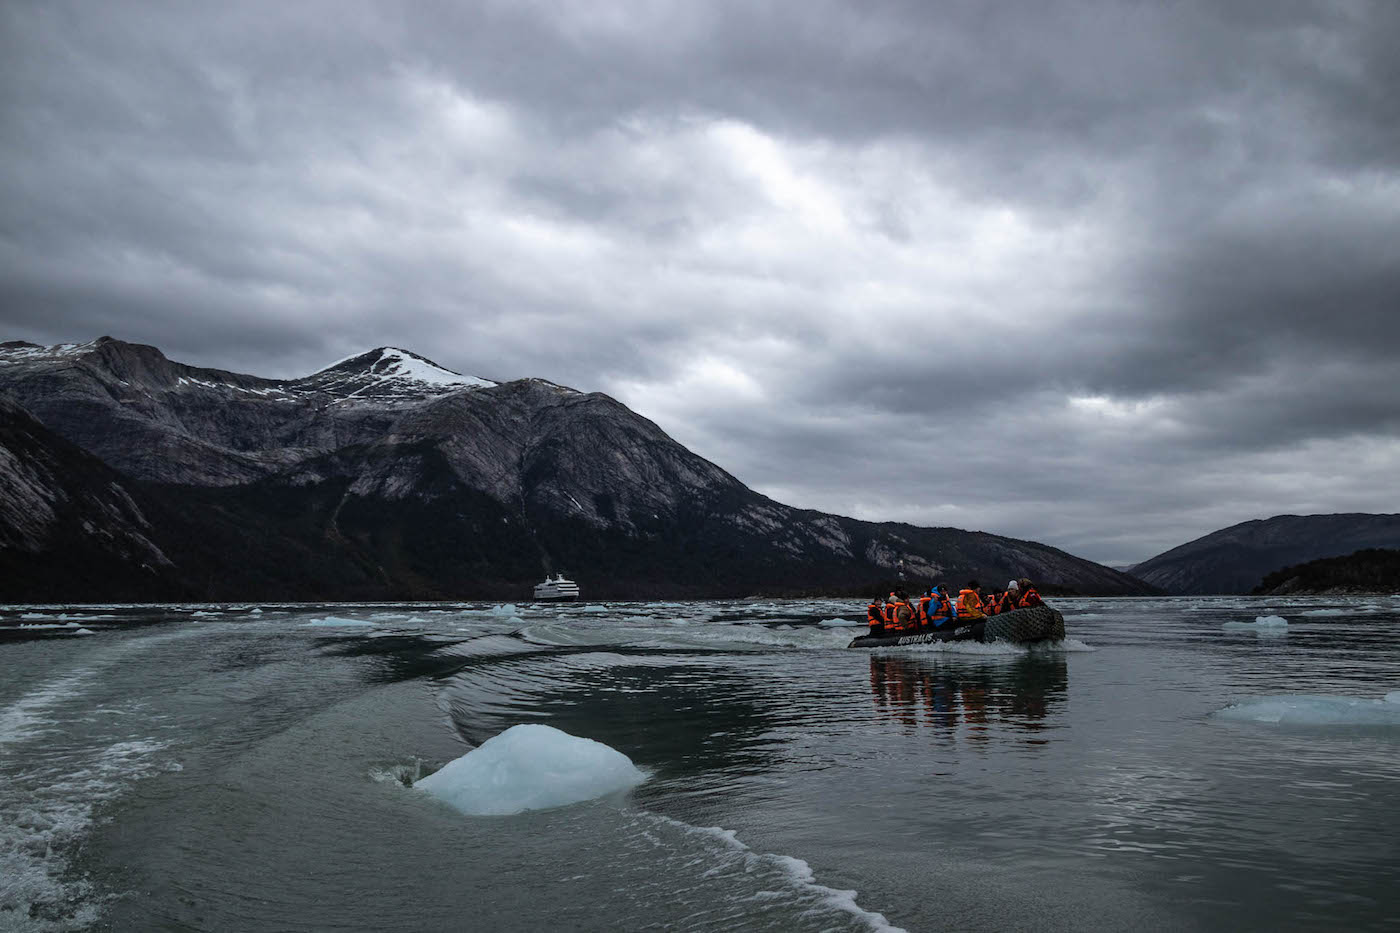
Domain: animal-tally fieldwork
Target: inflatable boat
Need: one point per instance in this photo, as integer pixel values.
(1022, 626)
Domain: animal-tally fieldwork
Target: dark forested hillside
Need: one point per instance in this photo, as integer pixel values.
(1372, 570)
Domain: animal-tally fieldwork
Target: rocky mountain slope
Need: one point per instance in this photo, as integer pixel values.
(1236, 559)
(57, 499)
(387, 476)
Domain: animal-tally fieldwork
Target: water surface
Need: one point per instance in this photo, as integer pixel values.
(243, 767)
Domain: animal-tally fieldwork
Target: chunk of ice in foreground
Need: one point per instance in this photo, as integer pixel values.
(1302, 709)
(531, 767)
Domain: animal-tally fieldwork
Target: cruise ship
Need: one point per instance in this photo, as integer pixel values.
(556, 588)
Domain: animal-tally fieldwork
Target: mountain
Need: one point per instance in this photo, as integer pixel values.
(1236, 559)
(1373, 570)
(386, 476)
(57, 498)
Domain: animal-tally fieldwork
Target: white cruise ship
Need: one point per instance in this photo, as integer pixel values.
(556, 588)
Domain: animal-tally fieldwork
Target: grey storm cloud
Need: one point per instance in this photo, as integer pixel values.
(1106, 275)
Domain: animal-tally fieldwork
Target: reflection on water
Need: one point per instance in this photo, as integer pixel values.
(940, 695)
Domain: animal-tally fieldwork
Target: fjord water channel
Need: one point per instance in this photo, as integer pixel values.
(1176, 764)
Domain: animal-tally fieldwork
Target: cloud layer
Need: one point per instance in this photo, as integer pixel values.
(1108, 276)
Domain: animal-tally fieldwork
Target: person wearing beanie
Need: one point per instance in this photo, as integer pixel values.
(1010, 599)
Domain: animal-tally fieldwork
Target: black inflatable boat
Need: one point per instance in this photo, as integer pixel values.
(1023, 626)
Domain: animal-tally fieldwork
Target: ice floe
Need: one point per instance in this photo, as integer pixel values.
(1303, 709)
(531, 767)
(336, 622)
(1263, 626)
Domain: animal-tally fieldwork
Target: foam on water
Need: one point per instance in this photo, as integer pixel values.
(47, 804)
(795, 872)
(741, 637)
(25, 718)
(531, 767)
(1316, 710)
(1002, 649)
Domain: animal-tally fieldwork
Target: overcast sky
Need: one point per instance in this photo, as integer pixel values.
(1108, 276)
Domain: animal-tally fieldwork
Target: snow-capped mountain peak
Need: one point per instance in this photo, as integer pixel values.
(389, 372)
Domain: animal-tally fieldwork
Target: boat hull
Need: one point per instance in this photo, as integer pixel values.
(1023, 626)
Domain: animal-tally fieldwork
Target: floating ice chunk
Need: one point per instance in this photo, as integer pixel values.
(1326, 612)
(335, 622)
(1263, 626)
(506, 609)
(839, 622)
(84, 631)
(1316, 710)
(531, 767)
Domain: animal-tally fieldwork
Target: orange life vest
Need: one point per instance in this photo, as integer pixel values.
(969, 604)
(940, 608)
(894, 609)
(923, 609)
(875, 616)
(1031, 598)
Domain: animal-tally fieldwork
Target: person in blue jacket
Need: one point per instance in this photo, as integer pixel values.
(940, 607)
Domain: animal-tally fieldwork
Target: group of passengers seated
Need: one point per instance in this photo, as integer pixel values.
(895, 614)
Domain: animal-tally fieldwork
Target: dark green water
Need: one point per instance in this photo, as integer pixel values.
(235, 770)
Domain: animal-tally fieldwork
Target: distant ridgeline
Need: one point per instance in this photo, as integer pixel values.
(1236, 559)
(128, 476)
(1372, 570)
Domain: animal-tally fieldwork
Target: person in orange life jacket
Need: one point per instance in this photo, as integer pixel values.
(1010, 599)
(970, 602)
(940, 610)
(1029, 597)
(899, 615)
(875, 615)
(924, 604)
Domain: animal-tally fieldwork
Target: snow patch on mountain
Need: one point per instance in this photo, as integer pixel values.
(15, 351)
(388, 373)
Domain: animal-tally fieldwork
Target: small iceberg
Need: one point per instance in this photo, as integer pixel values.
(1263, 626)
(842, 623)
(531, 767)
(1316, 710)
